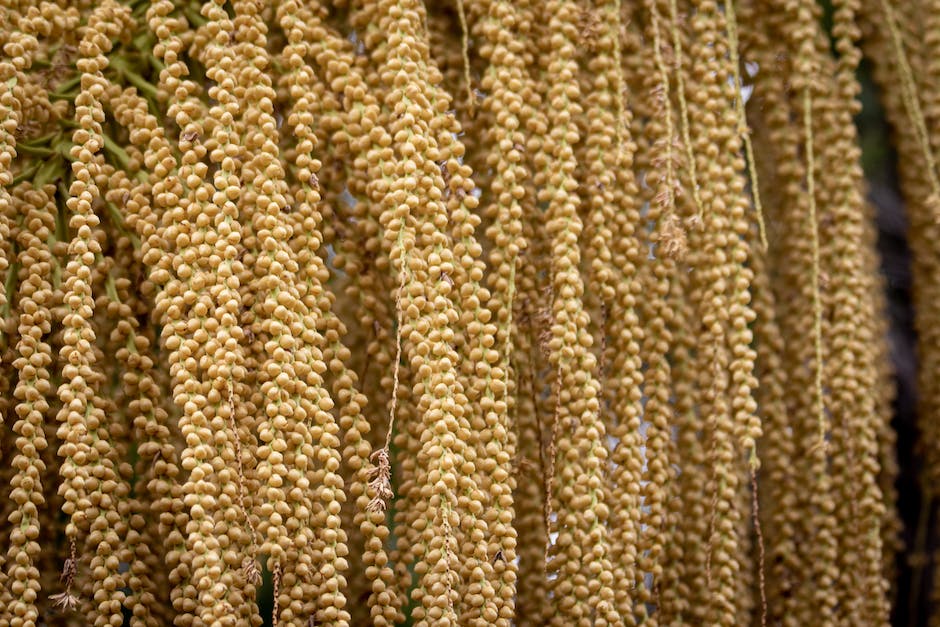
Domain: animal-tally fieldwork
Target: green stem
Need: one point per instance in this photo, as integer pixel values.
(8, 284)
(117, 218)
(111, 289)
(117, 152)
(50, 171)
(26, 174)
(141, 83)
(195, 19)
(63, 89)
(35, 151)
(37, 142)
(156, 63)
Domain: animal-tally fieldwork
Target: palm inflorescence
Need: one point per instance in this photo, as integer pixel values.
(458, 312)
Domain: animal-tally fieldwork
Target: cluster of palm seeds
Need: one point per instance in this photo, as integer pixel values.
(471, 312)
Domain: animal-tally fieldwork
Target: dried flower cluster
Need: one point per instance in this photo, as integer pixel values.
(483, 312)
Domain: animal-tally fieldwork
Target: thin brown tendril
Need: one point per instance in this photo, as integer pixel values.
(759, 534)
(742, 119)
(464, 50)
